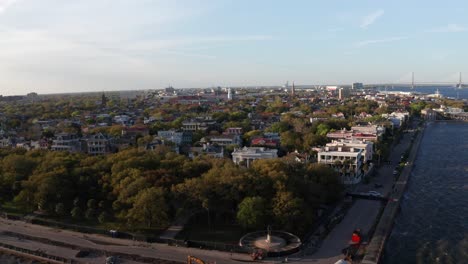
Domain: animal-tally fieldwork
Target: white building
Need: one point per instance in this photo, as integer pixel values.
(367, 147)
(122, 119)
(429, 114)
(197, 124)
(207, 149)
(66, 142)
(98, 144)
(449, 110)
(229, 95)
(179, 138)
(224, 140)
(6, 142)
(248, 155)
(346, 160)
(343, 93)
(397, 118)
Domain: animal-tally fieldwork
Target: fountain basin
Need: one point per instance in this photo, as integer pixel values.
(280, 243)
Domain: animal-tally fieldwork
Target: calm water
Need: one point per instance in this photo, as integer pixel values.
(432, 226)
(446, 91)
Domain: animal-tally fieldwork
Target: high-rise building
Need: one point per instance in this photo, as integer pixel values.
(358, 85)
(343, 93)
(229, 95)
(293, 90)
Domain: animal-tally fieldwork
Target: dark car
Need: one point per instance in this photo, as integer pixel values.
(111, 260)
(378, 185)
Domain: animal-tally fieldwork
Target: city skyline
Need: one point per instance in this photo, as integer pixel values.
(52, 46)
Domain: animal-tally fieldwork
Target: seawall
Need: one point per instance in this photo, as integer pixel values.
(376, 246)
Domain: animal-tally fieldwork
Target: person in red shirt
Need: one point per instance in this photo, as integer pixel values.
(356, 237)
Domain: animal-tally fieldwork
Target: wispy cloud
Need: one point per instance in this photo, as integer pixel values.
(371, 18)
(4, 4)
(377, 41)
(450, 28)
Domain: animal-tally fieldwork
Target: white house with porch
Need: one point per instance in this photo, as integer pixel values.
(248, 155)
(346, 160)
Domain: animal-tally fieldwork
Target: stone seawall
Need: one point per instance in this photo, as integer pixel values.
(384, 227)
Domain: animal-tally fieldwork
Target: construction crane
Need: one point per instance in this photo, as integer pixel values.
(195, 260)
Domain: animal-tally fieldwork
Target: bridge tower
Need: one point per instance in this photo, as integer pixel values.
(460, 85)
(412, 80)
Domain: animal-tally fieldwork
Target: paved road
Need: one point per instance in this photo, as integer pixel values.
(108, 244)
(362, 214)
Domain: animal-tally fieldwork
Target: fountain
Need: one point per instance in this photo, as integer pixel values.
(275, 243)
(269, 242)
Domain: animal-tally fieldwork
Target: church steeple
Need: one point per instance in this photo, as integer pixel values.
(103, 100)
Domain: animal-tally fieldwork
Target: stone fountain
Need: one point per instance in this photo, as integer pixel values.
(275, 243)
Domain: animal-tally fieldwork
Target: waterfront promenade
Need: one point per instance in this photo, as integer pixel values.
(384, 227)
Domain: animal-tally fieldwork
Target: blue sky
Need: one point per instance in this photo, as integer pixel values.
(54, 46)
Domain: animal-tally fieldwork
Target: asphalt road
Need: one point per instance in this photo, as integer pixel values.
(99, 242)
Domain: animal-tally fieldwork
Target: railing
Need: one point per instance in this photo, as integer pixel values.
(37, 253)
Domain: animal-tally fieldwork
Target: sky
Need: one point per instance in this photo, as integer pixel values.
(57, 46)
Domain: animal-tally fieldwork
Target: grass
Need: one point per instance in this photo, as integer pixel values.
(221, 230)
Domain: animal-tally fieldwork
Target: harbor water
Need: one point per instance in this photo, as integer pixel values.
(446, 91)
(432, 226)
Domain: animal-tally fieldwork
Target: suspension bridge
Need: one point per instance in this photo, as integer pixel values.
(409, 80)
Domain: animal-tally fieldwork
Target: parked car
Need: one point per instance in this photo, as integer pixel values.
(395, 172)
(111, 260)
(374, 193)
(378, 185)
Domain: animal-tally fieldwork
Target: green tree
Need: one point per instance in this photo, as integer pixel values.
(291, 141)
(103, 217)
(322, 129)
(150, 208)
(76, 213)
(279, 127)
(60, 209)
(416, 107)
(249, 135)
(252, 212)
(288, 210)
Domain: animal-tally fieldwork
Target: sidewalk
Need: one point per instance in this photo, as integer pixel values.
(177, 225)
